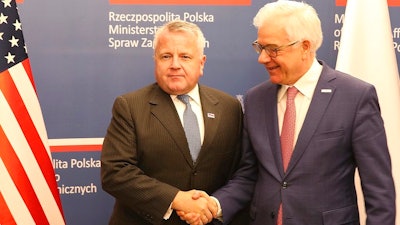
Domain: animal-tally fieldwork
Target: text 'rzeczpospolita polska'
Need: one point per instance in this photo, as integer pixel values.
(130, 30)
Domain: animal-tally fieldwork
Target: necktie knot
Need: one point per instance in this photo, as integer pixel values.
(292, 92)
(184, 98)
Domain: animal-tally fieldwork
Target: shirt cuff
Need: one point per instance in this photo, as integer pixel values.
(168, 214)
(219, 212)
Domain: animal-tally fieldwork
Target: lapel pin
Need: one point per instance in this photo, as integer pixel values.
(211, 115)
(326, 90)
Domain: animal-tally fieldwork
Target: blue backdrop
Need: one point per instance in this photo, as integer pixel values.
(85, 53)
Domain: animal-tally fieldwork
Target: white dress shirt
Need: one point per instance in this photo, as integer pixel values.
(306, 86)
(196, 107)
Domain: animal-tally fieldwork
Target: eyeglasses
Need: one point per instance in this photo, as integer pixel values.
(271, 51)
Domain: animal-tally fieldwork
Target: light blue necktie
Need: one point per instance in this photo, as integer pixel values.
(191, 127)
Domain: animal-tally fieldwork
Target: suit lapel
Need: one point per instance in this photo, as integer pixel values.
(212, 115)
(323, 94)
(273, 127)
(261, 122)
(164, 110)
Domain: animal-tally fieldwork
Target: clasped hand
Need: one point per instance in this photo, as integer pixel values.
(195, 207)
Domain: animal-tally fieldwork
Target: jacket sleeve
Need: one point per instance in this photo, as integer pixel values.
(238, 192)
(373, 160)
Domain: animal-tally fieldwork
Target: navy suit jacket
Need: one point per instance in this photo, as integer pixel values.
(343, 130)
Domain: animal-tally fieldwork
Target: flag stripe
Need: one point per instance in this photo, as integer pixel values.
(182, 2)
(27, 66)
(5, 216)
(76, 144)
(14, 167)
(13, 199)
(76, 148)
(22, 77)
(29, 147)
(21, 180)
(18, 103)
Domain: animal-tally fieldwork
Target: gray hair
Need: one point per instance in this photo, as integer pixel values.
(182, 26)
(300, 19)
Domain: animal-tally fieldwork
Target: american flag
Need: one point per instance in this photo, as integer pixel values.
(28, 189)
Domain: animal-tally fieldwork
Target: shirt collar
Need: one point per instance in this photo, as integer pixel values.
(194, 94)
(307, 83)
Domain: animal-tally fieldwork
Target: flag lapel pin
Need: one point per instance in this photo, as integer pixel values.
(326, 90)
(211, 115)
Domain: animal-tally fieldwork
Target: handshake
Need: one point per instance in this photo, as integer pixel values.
(195, 207)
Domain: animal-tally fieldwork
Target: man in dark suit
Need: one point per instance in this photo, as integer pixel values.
(146, 162)
(337, 129)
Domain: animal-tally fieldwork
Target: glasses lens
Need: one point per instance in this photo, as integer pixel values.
(272, 52)
(257, 47)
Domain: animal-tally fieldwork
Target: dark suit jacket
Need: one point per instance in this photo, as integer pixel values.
(343, 130)
(146, 160)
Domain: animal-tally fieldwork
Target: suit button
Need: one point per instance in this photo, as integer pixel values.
(284, 185)
(272, 215)
(194, 173)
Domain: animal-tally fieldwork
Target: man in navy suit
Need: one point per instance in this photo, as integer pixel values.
(338, 129)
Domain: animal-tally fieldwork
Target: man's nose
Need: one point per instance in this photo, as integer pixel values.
(263, 57)
(175, 63)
